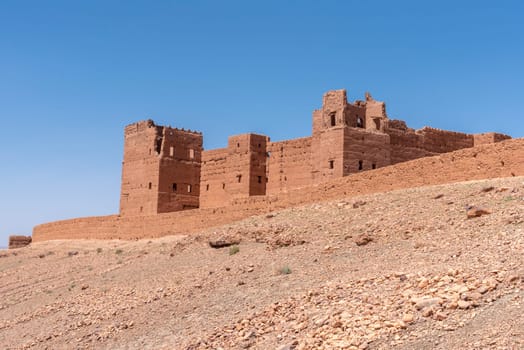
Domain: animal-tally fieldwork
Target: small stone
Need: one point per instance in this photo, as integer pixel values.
(463, 304)
(408, 318)
(425, 302)
(363, 239)
(474, 212)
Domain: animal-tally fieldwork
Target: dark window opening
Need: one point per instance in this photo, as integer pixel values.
(223, 186)
(150, 151)
(150, 185)
(331, 164)
(285, 178)
(360, 123)
(207, 187)
(189, 188)
(174, 187)
(259, 145)
(141, 209)
(373, 166)
(360, 165)
(239, 178)
(260, 179)
(158, 145)
(238, 145)
(333, 119)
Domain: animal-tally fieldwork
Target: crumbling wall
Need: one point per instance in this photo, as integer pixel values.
(17, 241)
(441, 141)
(289, 165)
(327, 154)
(489, 137)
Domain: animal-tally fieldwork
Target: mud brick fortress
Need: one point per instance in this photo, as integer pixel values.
(166, 169)
(171, 185)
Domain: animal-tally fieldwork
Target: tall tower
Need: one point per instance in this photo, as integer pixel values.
(161, 169)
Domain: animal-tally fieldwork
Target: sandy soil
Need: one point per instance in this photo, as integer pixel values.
(404, 269)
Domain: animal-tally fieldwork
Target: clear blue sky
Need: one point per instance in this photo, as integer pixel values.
(74, 73)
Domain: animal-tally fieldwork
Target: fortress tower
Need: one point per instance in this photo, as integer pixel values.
(161, 169)
(348, 137)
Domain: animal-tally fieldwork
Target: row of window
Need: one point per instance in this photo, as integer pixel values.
(333, 117)
(191, 153)
(360, 165)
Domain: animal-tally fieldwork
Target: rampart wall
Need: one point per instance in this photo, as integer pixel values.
(484, 161)
(289, 165)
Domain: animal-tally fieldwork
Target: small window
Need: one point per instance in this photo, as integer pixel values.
(239, 178)
(373, 166)
(150, 151)
(331, 164)
(191, 153)
(141, 209)
(207, 187)
(360, 165)
(260, 179)
(174, 187)
(360, 124)
(333, 117)
(223, 186)
(171, 151)
(238, 145)
(189, 188)
(259, 145)
(150, 185)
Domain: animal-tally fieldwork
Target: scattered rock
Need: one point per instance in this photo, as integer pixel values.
(363, 239)
(438, 196)
(223, 242)
(72, 253)
(474, 212)
(358, 204)
(488, 189)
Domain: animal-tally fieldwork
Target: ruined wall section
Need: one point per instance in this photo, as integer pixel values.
(180, 167)
(442, 141)
(140, 168)
(365, 150)
(289, 165)
(490, 137)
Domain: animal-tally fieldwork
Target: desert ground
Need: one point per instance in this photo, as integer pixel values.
(405, 269)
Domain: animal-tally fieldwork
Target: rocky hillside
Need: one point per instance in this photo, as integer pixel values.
(431, 267)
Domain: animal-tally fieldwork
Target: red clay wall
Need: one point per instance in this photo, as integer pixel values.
(365, 150)
(489, 137)
(155, 159)
(289, 165)
(180, 164)
(486, 161)
(140, 170)
(213, 178)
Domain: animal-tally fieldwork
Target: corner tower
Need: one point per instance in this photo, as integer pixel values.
(161, 169)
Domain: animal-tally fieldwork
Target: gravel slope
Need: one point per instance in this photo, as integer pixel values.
(405, 269)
